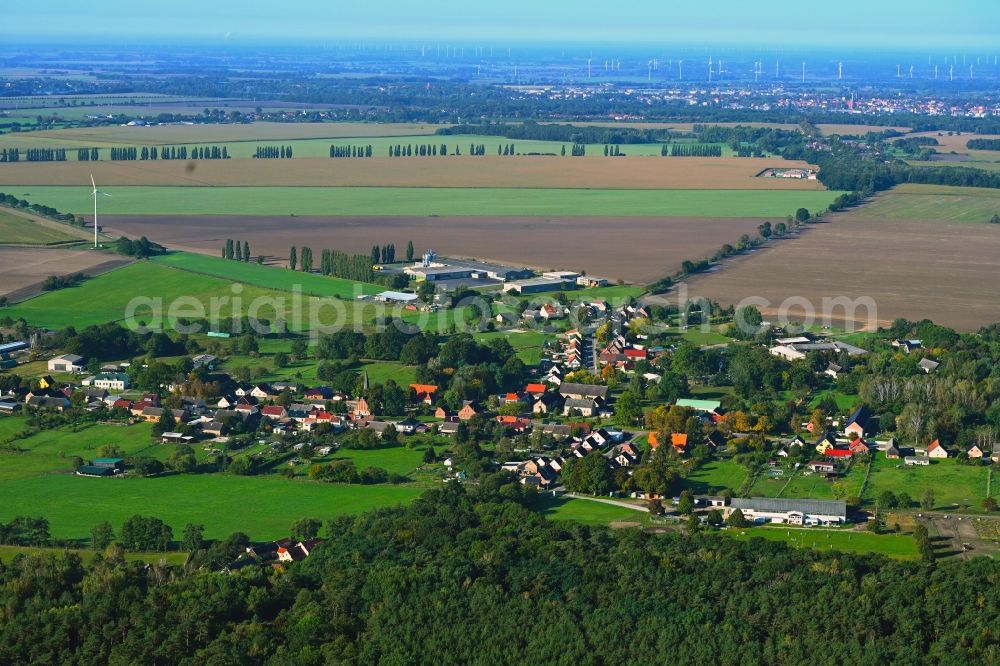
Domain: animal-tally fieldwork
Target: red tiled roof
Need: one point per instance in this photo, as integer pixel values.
(839, 453)
(424, 388)
(535, 388)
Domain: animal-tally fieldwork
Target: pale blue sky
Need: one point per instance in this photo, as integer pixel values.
(921, 25)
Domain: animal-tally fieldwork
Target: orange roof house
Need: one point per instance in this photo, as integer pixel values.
(679, 440)
(425, 392)
(535, 389)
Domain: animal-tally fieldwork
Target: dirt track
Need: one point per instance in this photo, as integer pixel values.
(632, 249)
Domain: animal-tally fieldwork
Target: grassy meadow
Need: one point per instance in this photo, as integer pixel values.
(401, 201)
(267, 276)
(896, 546)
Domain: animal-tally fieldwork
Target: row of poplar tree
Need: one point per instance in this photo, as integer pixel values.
(236, 251)
(334, 263)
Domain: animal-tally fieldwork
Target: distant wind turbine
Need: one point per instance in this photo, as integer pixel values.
(94, 194)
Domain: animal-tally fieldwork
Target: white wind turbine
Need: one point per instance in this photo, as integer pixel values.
(94, 194)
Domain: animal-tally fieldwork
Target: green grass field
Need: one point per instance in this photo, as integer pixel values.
(106, 297)
(366, 201)
(181, 294)
(588, 512)
(715, 476)
(953, 484)
(18, 230)
(266, 276)
(262, 507)
(7, 553)
(396, 460)
(897, 546)
(612, 294)
(527, 344)
(936, 203)
(805, 484)
(53, 450)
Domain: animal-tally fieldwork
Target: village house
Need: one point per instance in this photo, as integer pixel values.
(927, 365)
(468, 411)
(859, 423)
(935, 450)
(974, 452)
(425, 392)
(581, 407)
(582, 391)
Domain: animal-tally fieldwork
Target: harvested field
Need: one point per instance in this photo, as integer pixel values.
(189, 134)
(941, 269)
(22, 270)
(634, 249)
(857, 130)
(956, 142)
(716, 173)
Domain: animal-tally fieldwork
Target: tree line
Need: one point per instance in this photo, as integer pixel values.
(351, 151)
(333, 263)
(424, 150)
(40, 209)
(692, 150)
(273, 153)
(235, 251)
(144, 153)
(398, 603)
(534, 131)
(983, 144)
(33, 155)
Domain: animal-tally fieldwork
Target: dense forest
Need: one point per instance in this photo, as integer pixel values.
(473, 576)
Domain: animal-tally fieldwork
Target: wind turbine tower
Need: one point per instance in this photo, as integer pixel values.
(840, 71)
(803, 72)
(95, 193)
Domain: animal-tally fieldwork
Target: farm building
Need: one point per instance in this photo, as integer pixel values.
(709, 406)
(538, 285)
(396, 297)
(917, 460)
(791, 511)
(66, 363)
(12, 347)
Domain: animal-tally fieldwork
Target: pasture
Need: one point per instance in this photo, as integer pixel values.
(7, 553)
(267, 276)
(527, 344)
(655, 246)
(588, 512)
(490, 171)
(441, 201)
(715, 476)
(264, 507)
(896, 546)
(910, 252)
(956, 487)
(17, 228)
(935, 203)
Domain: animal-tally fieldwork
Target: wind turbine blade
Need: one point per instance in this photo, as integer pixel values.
(92, 182)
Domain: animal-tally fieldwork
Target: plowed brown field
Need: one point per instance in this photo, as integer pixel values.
(632, 249)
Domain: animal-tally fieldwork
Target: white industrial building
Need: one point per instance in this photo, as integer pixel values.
(791, 511)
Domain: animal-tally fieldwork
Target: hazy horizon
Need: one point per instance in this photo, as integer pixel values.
(916, 25)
